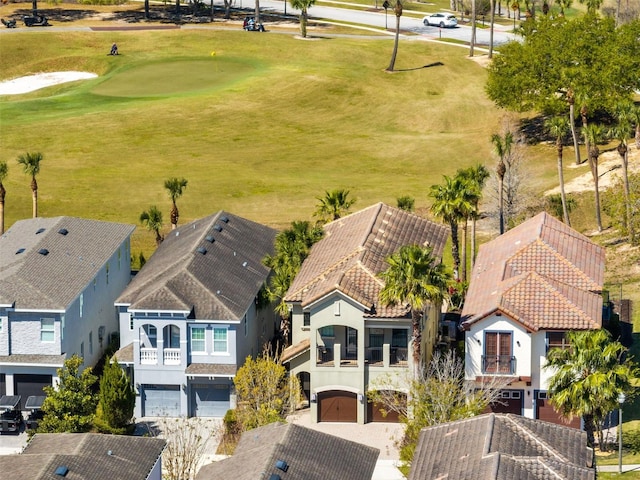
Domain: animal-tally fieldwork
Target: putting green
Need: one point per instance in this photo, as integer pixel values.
(173, 77)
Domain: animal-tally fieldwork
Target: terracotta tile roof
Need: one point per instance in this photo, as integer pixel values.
(502, 446)
(541, 273)
(293, 351)
(353, 252)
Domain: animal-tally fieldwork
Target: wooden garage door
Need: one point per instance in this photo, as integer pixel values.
(510, 402)
(28, 385)
(337, 406)
(546, 412)
(374, 414)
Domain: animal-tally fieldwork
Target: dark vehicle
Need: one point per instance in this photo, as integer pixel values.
(10, 414)
(250, 25)
(34, 404)
(35, 20)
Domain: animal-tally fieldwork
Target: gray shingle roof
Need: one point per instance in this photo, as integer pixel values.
(311, 455)
(34, 359)
(86, 455)
(353, 252)
(53, 281)
(218, 284)
(502, 447)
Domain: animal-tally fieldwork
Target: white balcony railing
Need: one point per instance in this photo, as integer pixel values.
(149, 356)
(172, 356)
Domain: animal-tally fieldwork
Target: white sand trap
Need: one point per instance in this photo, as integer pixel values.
(41, 80)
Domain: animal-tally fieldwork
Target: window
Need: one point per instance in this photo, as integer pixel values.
(497, 353)
(90, 343)
(130, 321)
(556, 340)
(152, 336)
(82, 351)
(172, 336)
(399, 338)
(47, 330)
(246, 328)
(220, 340)
(197, 340)
(81, 304)
(376, 340)
(107, 270)
(306, 319)
(336, 308)
(327, 331)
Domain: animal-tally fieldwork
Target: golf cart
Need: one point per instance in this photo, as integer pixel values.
(10, 414)
(250, 25)
(35, 20)
(34, 405)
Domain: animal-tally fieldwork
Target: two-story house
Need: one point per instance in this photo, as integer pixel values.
(344, 339)
(192, 315)
(59, 278)
(528, 287)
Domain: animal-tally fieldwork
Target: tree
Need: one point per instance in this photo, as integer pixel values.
(452, 202)
(71, 406)
(406, 203)
(116, 399)
(334, 205)
(31, 165)
(502, 146)
(615, 205)
(303, 6)
(175, 187)
(588, 377)
(4, 172)
(397, 9)
(558, 128)
(152, 219)
(594, 133)
(414, 278)
(475, 177)
(266, 393)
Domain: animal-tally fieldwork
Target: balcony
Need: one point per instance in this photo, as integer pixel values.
(148, 356)
(499, 364)
(171, 356)
(374, 356)
(325, 356)
(399, 357)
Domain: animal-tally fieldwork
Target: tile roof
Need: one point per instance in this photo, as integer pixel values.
(76, 249)
(218, 284)
(124, 355)
(310, 455)
(353, 252)
(34, 359)
(541, 273)
(203, 369)
(502, 447)
(86, 455)
(293, 351)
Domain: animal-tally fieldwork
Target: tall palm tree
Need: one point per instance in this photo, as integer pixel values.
(571, 100)
(476, 177)
(588, 377)
(621, 132)
(415, 278)
(558, 128)
(502, 146)
(397, 9)
(152, 219)
(31, 165)
(175, 187)
(334, 205)
(453, 203)
(492, 16)
(303, 6)
(594, 134)
(4, 172)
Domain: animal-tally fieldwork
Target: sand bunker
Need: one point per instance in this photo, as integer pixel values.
(41, 80)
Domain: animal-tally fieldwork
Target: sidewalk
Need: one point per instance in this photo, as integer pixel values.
(614, 468)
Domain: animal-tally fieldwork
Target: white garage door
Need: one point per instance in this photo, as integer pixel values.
(210, 400)
(161, 401)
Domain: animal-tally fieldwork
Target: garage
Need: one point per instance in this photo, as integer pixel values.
(510, 402)
(27, 385)
(546, 412)
(161, 400)
(337, 406)
(209, 400)
(3, 384)
(375, 414)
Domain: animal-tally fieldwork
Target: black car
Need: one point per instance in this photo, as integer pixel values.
(34, 404)
(10, 414)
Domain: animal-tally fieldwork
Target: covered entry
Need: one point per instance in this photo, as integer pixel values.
(337, 406)
(161, 400)
(546, 412)
(27, 385)
(209, 400)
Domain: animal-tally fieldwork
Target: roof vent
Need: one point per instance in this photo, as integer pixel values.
(202, 250)
(62, 471)
(20, 250)
(43, 251)
(39, 231)
(282, 465)
(109, 452)
(63, 231)
(217, 228)
(210, 239)
(225, 219)
(244, 264)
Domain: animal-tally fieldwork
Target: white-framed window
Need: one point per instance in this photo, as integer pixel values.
(81, 304)
(82, 351)
(220, 340)
(90, 343)
(47, 330)
(198, 340)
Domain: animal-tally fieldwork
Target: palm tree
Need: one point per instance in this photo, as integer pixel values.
(502, 146)
(588, 377)
(558, 128)
(476, 177)
(406, 203)
(303, 6)
(397, 9)
(333, 205)
(594, 134)
(31, 165)
(492, 22)
(4, 172)
(621, 131)
(571, 100)
(414, 277)
(152, 218)
(175, 187)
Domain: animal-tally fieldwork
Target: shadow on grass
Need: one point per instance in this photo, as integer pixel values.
(434, 64)
(58, 14)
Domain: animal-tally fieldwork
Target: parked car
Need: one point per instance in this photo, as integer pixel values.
(34, 404)
(441, 20)
(10, 414)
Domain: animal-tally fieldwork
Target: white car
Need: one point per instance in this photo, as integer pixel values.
(441, 20)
